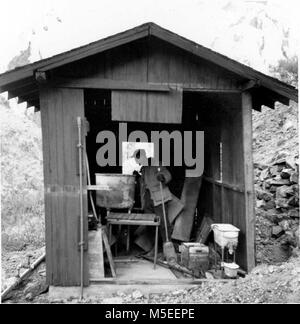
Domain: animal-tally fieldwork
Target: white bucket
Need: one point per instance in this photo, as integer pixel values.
(231, 269)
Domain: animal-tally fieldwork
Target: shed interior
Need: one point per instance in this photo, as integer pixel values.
(221, 192)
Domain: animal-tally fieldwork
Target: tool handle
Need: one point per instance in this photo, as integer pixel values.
(81, 243)
(164, 211)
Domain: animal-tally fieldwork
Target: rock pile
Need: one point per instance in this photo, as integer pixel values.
(277, 209)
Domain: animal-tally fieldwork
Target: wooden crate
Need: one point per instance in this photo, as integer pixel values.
(194, 256)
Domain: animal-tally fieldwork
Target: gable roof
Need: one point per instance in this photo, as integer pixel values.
(21, 82)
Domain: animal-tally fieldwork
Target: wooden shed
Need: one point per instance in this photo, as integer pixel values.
(152, 68)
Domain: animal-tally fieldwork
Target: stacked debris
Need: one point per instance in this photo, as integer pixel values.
(277, 209)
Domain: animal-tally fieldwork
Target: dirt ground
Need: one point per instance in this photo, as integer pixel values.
(265, 284)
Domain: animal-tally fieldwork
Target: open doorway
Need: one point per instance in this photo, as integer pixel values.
(130, 245)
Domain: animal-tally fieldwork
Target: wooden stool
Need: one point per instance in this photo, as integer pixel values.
(134, 219)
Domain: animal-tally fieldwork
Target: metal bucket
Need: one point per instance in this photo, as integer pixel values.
(115, 190)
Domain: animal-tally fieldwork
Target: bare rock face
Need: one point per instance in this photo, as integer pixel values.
(263, 194)
(284, 191)
(281, 203)
(286, 173)
(277, 230)
(293, 213)
(294, 177)
(35, 288)
(297, 237)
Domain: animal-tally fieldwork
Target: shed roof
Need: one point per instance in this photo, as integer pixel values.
(21, 82)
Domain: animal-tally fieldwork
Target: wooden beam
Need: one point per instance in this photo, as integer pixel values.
(250, 84)
(148, 281)
(21, 100)
(196, 88)
(248, 177)
(222, 184)
(23, 93)
(284, 100)
(17, 84)
(33, 103)
(11, 95)
(14, 76)
(33, 97)
(40, 76)
(95, 83)
(266, 97)
(269, 97)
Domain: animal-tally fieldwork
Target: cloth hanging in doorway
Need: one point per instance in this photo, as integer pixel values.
(189, 197)
(147, 106)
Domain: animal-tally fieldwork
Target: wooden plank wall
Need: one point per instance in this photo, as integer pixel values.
(233, 203)
(151, 107)
(226, 201)
(59, 110)
(212, 170)
(152, 60)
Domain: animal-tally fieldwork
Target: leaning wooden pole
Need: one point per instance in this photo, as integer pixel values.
(89, 183)
(81, 243)
(22, 277)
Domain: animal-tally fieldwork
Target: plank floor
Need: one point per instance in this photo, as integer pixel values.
(138, 269)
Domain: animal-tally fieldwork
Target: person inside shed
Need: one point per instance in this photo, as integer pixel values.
(150, 178)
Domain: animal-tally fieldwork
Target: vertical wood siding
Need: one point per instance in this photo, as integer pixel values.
(232, 128)
(246, 104)
(152, 61)
(59, 110)
(151, 107)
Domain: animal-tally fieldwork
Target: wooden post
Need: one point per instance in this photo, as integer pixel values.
(248, 176)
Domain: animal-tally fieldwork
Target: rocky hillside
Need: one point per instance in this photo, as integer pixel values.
(260, 33)
(22, 178)
(275, 132)
(276, 157)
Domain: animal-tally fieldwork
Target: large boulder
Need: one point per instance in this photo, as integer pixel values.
(269, 205)
(263, 194)
(281, 203)
(286, 173)
(284, 192)
(35, 288)
(277, 230)
(294, 178)
(264, 174)
(293, 201)
(293, 213)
